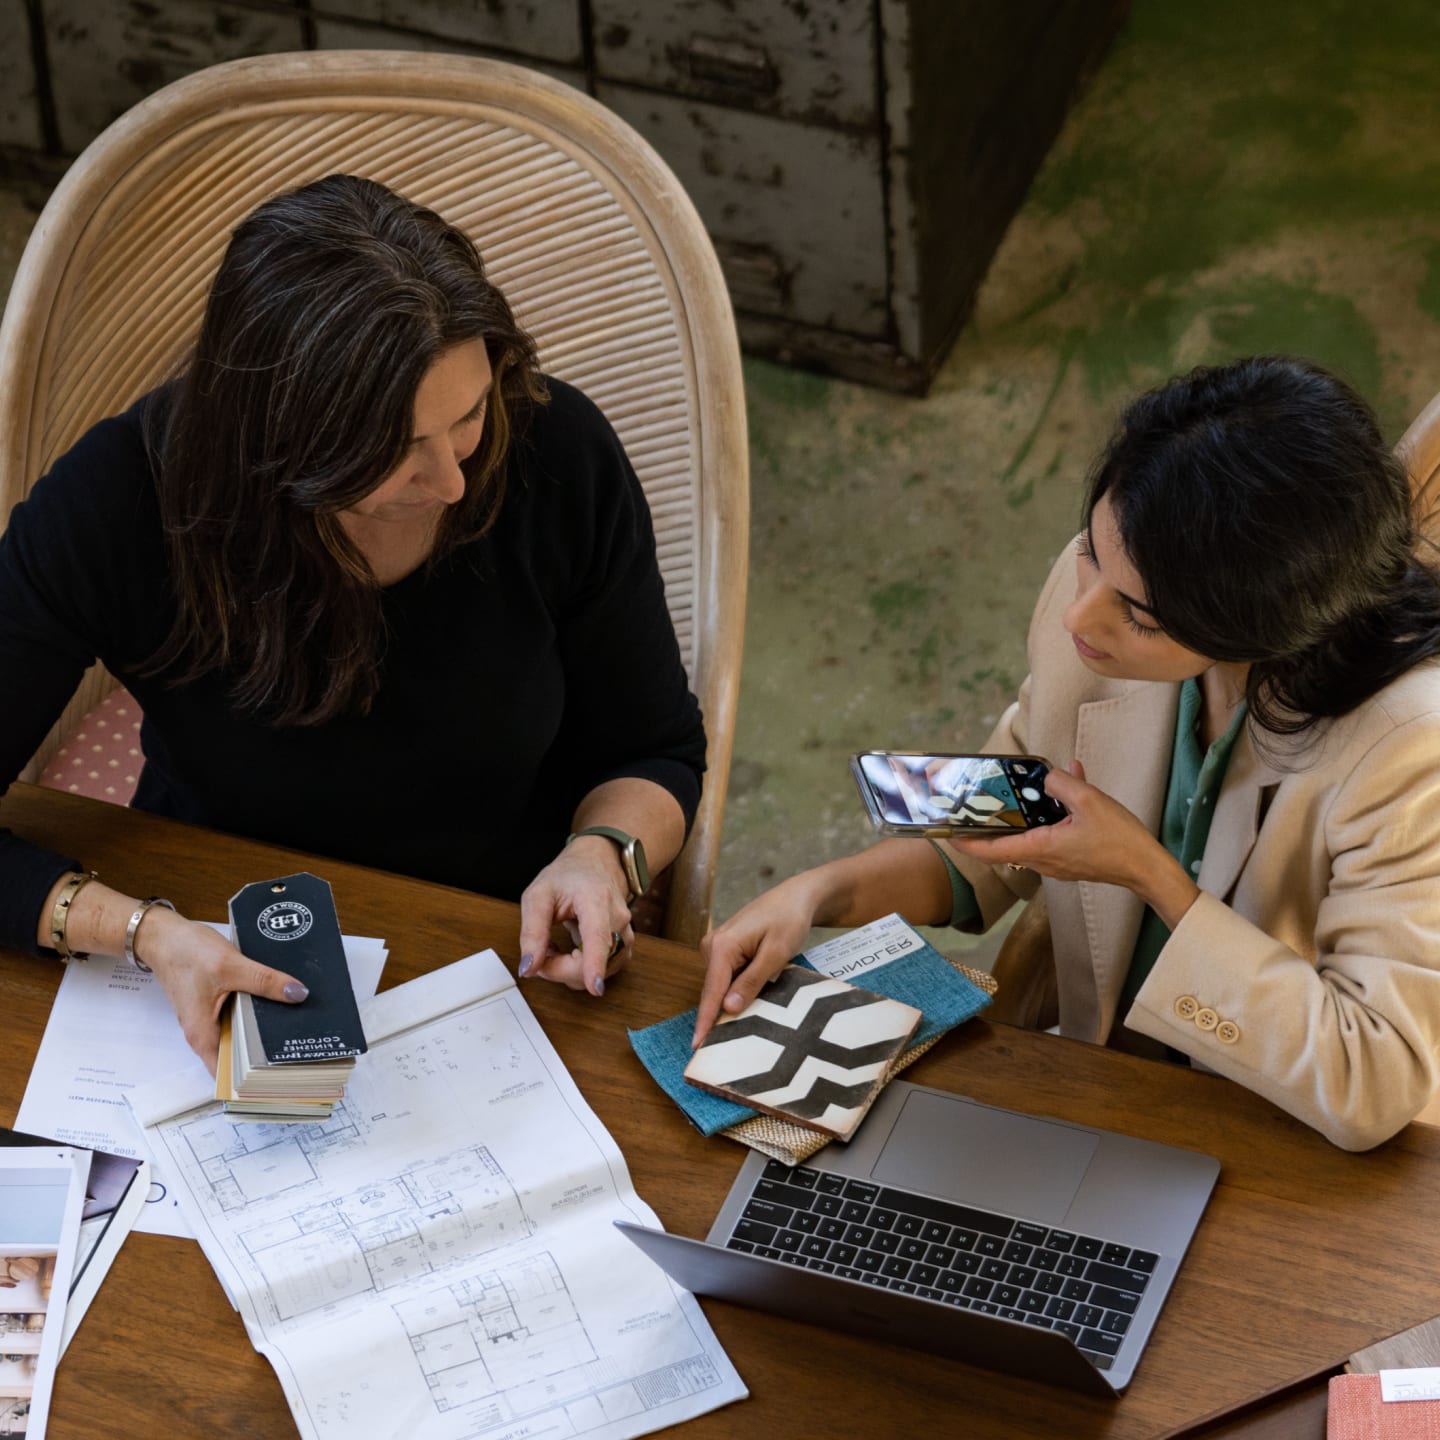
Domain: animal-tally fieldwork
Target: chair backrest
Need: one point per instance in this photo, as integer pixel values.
(1419, 450)
(583, 227)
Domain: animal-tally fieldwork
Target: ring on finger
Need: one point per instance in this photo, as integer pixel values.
(617, 944)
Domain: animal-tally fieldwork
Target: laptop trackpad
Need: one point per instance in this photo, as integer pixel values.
(991, 1159)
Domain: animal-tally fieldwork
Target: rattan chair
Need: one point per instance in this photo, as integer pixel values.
(581, 224)
(1419, 451)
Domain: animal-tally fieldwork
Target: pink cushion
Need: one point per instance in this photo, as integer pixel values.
(101, 757)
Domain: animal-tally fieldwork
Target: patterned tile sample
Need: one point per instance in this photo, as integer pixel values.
(809, 1049)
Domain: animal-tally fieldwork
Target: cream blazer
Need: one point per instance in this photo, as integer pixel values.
(1309, 969)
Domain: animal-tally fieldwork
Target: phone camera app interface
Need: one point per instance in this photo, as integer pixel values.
(1028, 778)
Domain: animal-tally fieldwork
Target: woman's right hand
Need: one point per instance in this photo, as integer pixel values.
(753, 946)
(199, 970)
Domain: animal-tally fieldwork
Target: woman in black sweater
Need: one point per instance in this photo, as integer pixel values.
(383, 592)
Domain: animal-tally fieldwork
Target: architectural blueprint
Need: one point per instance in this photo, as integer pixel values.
(437, 1260)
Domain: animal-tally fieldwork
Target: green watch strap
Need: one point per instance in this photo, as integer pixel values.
(632, 856)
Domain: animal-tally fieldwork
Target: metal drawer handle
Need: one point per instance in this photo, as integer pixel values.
(732, 64)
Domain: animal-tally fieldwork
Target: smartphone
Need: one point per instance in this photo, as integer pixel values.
(954, 794)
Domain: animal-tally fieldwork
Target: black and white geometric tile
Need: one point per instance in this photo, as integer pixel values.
(811, 1049)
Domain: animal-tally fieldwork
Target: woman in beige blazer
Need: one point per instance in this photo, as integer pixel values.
(1246, 535)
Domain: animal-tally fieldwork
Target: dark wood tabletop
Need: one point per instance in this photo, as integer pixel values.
(1305, 1253)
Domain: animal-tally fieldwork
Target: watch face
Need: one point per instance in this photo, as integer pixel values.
(636, 868)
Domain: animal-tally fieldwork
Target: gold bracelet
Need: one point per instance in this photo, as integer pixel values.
(60, 915)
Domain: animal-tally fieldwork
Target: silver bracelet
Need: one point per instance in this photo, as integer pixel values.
(134, 925)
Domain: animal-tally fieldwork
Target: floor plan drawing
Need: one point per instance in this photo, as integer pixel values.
(503, 1330)
(389, 1231)
(243, 1164)
(508, 1345)
(439, 1259)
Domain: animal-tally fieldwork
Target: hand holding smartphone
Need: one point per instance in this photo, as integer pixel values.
(954, 794)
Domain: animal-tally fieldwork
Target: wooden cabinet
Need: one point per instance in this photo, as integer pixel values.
(855, 161)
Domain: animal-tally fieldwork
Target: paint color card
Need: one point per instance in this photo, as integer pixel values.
(809, 1049)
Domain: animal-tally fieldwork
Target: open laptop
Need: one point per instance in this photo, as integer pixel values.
(1033, 1246)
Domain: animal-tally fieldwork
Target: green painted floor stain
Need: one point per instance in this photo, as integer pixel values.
(895, 604)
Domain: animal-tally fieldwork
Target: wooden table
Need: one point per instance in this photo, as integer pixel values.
(1305, 1254)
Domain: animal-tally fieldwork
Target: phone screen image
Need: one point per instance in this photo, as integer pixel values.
(988, 793)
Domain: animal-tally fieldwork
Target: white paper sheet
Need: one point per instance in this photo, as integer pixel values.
(865, 948)
(42, 1196)
(111, 1028)
(438, 1260)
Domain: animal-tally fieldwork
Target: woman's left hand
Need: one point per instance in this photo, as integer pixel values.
(1100, 840)
(583, 888)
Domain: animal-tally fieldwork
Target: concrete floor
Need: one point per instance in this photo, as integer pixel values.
(1237, 177)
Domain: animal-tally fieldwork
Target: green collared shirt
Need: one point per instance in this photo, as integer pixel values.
(1195, 781)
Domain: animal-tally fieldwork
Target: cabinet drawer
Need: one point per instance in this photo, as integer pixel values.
(796, 212)
(106, 58)
(545, 29)
(813, 62)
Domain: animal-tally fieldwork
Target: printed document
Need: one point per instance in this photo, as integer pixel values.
(111, 1028)
(438, 1260)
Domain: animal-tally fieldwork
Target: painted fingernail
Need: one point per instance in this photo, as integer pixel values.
(295, 991)
(599, 986)
(734, 1001)
(527, 964)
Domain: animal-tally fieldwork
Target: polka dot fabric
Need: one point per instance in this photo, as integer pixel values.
(101, 757)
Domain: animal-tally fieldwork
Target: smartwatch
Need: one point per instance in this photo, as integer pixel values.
(632, 857)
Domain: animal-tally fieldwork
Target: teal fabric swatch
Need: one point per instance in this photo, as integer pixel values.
(924, 979)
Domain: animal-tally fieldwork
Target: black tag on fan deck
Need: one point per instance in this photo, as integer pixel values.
(290, 924)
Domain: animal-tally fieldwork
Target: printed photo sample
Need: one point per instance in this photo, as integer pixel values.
(115, 1193)
(26, 1280)
(42, 1198)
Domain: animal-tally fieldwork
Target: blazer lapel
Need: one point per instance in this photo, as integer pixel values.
(1236, 822)
(1113, 740)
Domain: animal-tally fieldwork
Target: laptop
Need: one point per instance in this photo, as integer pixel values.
(1033, 1246)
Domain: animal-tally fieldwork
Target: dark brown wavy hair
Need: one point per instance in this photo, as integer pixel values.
(330, 305)
(1271, 524)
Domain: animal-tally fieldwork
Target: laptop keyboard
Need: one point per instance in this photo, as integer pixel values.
(1086, 1287)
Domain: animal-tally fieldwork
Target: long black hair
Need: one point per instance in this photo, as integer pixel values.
(1271, 524)
(330, 305)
